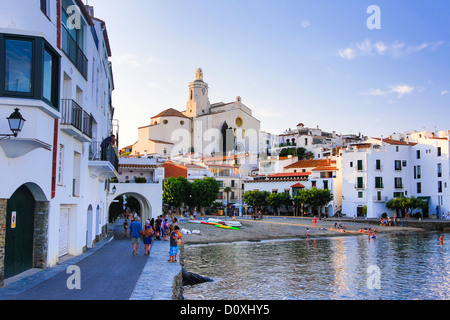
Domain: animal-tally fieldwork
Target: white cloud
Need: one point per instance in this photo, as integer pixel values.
(347, 53)
(400, 90)
(444, 92)
(306, 24)
(380, 47)
(396, 49)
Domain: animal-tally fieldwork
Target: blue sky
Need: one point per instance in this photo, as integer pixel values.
(291, 61)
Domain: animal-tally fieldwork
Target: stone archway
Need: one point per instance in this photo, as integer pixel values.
(149, 196)
(146, 208)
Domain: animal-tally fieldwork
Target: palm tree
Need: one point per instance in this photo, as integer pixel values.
(227, 190)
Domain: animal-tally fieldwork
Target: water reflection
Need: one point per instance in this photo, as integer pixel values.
(412, 266)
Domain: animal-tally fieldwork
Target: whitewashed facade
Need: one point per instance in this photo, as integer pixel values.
(58, 74)
(379, 170)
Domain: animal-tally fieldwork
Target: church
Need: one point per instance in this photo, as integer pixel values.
(203, 129)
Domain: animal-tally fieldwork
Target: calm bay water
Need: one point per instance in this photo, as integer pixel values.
(410, 266)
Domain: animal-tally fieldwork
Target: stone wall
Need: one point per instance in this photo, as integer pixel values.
(40, 245)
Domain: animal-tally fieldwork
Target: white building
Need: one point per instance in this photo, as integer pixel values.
(53, 200)
(381, 169)
(308, 174)
(202, 128)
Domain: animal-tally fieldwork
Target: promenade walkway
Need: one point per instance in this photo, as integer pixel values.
(108, 272)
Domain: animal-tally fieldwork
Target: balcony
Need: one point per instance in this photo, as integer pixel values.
(75, 121)
(73, 52)
(380, 199)
(360, 186)
(103, 161)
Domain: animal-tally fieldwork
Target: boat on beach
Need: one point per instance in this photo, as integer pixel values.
(230, 223)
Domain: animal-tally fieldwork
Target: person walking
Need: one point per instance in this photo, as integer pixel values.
(158, 228)
(166, 229)
(147, 237)
(125, 227)
(135, 235)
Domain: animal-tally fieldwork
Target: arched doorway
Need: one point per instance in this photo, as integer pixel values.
(19, 232)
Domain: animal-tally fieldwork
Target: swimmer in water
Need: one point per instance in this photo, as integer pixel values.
(441, 239)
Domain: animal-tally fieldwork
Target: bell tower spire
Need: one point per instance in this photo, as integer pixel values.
(198, 102)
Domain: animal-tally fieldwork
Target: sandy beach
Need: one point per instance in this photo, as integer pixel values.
(280, 228)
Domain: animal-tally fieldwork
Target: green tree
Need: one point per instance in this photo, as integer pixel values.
(315, 198)
(204, 192)
(406, 205)
(227, 190)
(176, 192)
(256, 199)
(277, 200)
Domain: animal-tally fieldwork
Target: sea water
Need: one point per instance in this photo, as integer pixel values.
(402, 266)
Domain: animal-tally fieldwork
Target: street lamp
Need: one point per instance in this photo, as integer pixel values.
(16, 122)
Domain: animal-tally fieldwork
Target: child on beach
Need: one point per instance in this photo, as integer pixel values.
(175, 239)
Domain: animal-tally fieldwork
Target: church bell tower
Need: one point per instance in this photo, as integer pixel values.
(198, 102)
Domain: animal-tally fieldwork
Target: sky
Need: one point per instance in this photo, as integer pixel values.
(321, 63)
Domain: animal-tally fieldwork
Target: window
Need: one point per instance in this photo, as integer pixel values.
(398, 183)
(45, 7)
(360, 165)
(439, 186)
(325, 185)
(378, 164)
(360, 194)
(418, 154)
(398, 165)
(360, 182)
(404, 163)
(220, 184)
(378, 182)
(378, 195)
(29, 68)
(419, 187)
(396, 149)
(398, 194)
(18, 65)
(439, 152)
(50, 77)
(351, 164)
(313, 183)
(439, 170)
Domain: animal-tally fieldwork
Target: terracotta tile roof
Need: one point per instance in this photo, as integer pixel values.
(174, 170)
(324, 168)
(309, 164)
(396, 142)
(297, 185)
(286, 174)
(170, 113)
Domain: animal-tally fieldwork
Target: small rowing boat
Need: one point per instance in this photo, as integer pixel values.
(226, 227)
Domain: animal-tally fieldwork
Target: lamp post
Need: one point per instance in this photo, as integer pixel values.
(16, 122)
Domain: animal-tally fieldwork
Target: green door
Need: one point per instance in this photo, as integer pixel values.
(19, 232)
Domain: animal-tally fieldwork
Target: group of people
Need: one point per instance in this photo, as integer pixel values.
(154, 229)
(388, 221)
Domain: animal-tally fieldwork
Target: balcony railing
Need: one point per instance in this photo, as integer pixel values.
(71, 113)
(87, 124)
(73, 52)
